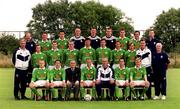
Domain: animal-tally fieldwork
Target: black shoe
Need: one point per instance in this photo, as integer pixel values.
(112, 98)
(54, 99)
(17, 98)
(24, 98)
(126, 99)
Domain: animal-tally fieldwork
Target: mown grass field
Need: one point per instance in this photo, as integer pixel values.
(7, 100)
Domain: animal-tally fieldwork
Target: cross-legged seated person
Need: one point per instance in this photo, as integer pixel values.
(138, 77)
(73, 75)
(105, 79)
(57, 79)
(88, 78)
(40, 78)
(122, 79)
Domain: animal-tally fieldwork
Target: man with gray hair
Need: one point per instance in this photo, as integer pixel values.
(160, 63)
(72, 78)
(105, 78)
(21, 58)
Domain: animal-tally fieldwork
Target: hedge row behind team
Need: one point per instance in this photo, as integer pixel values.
(102, 52)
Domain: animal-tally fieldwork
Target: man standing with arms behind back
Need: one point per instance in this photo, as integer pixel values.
(20, 59)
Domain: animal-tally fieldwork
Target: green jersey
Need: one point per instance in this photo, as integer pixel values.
(54, 55)
(103, 53)
(62, 44)
(121, 74)
(130, 57)
(71, 55)
(45, 46)
(57, 74)
(136, 43)
(116, 55)
(87, 53)
(88, 74)
(40, 74)
(124, 42)
(36, 57)
(138, 74)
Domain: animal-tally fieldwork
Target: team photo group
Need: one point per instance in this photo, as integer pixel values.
(91, 67)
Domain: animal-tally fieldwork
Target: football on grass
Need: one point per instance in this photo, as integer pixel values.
(87, 97)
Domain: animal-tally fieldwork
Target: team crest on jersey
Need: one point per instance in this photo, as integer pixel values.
(121, 76)
(112, 41)
(31, 45)
(138, 74)
(87, 54)
(161, 56)
(42, 75)
(154, 43)
(88, 75)
(62, 46)
(71, 55)
(96, 40)
(132, 58)
(122, 45)
(58, 76)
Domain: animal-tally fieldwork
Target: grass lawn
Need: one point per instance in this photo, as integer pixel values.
(7, 99)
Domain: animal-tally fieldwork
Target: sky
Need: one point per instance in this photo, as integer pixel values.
(15, 14)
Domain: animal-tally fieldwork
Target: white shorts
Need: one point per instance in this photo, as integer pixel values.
(40, 83)
(115, 66)
(58, 83)
(88, 82)
(139, 82)
(50, 67)
(120, 82)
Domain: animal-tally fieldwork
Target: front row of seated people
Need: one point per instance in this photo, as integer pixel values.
(90, 77)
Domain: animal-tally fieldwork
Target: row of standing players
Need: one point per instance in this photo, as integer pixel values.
(95, 42)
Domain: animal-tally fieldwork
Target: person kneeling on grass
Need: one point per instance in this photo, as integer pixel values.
(122, 80)
(40, 78)
(138, 77)
(88, 75)
(57, 79)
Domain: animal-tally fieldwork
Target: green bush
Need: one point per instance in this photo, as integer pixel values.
(8, 43)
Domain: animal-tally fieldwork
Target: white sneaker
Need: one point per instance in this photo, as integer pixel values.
(163, 97)
(156, 98)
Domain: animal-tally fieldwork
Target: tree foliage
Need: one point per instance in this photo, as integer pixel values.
(51, 16)
(8, 43)
(167, 28)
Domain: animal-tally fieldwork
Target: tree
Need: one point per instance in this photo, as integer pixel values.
(51, 16)
(167, 28)
(8, 43)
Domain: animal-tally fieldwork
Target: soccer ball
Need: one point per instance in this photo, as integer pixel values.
(87, 97)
